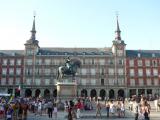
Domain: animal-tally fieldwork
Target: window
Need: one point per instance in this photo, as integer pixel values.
(37, 81)
(149, 82)
(11, 71)
(101, 61)
(5, 61)
(83, 81)
(10, 81)
(155, 72)
(93, 71)
(92, 61)
(110, 62)
(102, 71)
(11, 61)
(140, 72)
(120, 71)
(154, 63)
(102, 81)
(29, 61)
(131, 72)
(148, 72)
(18, 71)
(84, 71)
(47, 71)
(17, 81)
(3, 81)
(93, 82)
(156, 82)
(29, 71)
(120, 82)
(84, 61)
(141, 83)
(139, 62)
(120, 62)
(39, 62)
(111, 81)
(47, 61)
(18, 62)
(111, 71)
(131, 63)
(4, 71)
(132, 82)
(147, 62)
(38, 71)
(47, 81)
(28, 81)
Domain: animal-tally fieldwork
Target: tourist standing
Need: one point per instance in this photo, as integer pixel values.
(50, 107)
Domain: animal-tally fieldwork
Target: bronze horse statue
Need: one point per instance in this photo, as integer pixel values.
(64, 70)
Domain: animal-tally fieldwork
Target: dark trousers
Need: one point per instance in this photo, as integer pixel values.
(107, 111)
(50, 112)
(136, 116)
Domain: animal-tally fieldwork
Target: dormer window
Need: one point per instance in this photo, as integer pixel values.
(139, 55)
(153, 55)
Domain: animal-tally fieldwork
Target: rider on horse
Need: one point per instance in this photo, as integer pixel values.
(68, 63)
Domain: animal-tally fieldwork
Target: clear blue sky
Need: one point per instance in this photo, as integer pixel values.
(80, 23)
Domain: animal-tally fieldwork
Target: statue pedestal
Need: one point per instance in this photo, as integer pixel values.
(66, 90)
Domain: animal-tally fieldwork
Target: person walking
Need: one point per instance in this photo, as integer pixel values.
(98, 109)
(136, 109)
(55, 110)
(107, 108)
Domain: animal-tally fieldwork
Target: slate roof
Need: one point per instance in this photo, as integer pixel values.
(143, 53)
(75, 51)
(11, 52)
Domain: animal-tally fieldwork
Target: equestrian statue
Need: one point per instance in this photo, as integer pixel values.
(69, 68)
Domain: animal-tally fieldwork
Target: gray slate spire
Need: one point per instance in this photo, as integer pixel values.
(118, 31)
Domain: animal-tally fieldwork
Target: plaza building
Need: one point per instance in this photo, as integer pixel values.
(108, 72)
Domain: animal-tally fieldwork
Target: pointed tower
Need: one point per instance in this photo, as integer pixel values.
(118, 31)
(31, 45)
(118, 46)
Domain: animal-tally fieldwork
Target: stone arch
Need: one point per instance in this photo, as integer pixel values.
(120, 93)
(111, 94)
(102, 94)
(46, 93)
(84, 93)
(28, 92)
(93, 93)
(55, 93)
(37, 93)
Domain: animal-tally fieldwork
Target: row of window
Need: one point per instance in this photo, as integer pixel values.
(146, 63)
(82, 71)
(11, 62)
(10, 81)
(11, 71)
(83, 61)
(141, 82)
(141, 72)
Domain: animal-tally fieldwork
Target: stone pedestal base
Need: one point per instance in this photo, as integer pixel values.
(66, 90)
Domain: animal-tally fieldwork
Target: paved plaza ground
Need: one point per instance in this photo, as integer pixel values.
(90, 115)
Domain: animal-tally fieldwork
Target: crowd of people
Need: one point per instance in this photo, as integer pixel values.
(18, 108)
(141, 108)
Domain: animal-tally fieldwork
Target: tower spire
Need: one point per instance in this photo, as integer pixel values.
(118, 31)
(33, 31)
